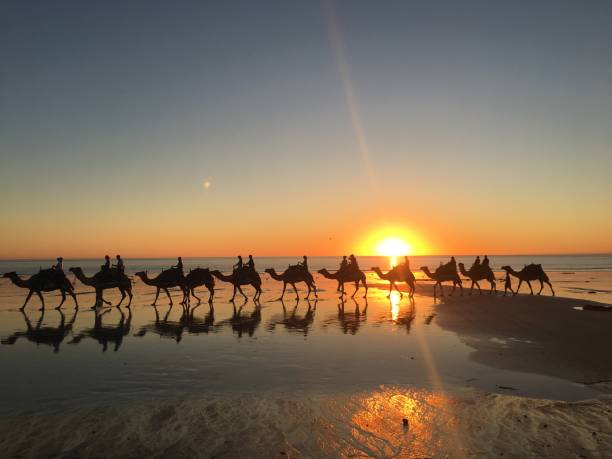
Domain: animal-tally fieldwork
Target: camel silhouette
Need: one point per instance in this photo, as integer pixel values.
(478, 273)
(52, 336)
(346, 275)
(47, 280)
(530, 273)
(198, 277)
(398, 274)
(166, 279)
(103, 280)
(293, 322)
(105, 334)
(242, 276)
(196, 326)
(444, 274)
(293, 275)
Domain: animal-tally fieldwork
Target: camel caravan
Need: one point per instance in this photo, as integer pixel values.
(243, 274)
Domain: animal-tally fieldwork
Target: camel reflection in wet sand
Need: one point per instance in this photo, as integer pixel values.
(348, 322)
(398, 316)
(39, 334)
(243, 323)
(173, 329)
(104, 333)
(293, 322)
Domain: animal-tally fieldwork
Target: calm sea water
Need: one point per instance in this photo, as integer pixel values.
(549, 262)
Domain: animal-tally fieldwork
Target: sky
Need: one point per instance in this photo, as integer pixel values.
(290, 127)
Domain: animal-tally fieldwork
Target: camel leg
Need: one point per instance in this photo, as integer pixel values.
(309, 289)
(479, 290)
(551, 289)
(42, 300)
(518, 287)
(365, 285)
(27, 299)
(122, 297)
(129, 292)
(63, 299)
(168, 295)
(234, 295)
(211, 294)
(297, 295)
(242, 293)
(390, 289)
(156, 297)
(283, 294)
(76, 303)
(530, 287)
(192, 291)
(314, 286)
(398, 290)
(356, 288)
(471, 288)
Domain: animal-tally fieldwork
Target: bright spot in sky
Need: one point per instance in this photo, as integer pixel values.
(206, 184)
(393, 247)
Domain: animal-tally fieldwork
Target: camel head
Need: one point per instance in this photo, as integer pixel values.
(269, 270)
(141, 274)
(507, 268)
(75, 270)
(9, 275)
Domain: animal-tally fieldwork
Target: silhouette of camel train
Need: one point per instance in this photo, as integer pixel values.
(114, 277)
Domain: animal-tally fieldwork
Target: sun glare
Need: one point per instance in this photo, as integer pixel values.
(393, 247)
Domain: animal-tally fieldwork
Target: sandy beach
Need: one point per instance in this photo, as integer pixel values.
(479, 402)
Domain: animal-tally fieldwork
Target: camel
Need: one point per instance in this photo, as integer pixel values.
(53, 336)
(444, 275)
(477, 273)
(105, 280)
(397, 274)
(198, 277)
(293, 275)
(529, 273)
(165, 280)
(47, 280)
(105, 334)
(343, 276)
(245, 276)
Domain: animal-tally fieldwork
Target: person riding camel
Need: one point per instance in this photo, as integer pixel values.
(251, 263)
(343, 263)
(352, 263)
(178, 265)
(239, 264)
(304, 263)
(119, 265)
(485, 262)
(476, 263)
(59, 266)
(452, 264)
(107, 263)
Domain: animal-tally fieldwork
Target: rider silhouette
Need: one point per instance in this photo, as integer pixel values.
(179, 264)
(476, 263)
(343, 263)
(251, 263)
(485, 262)
(59, 266)
(120, 265)
(352, 263)
(238, 266)
(304, 263)
(106, 265)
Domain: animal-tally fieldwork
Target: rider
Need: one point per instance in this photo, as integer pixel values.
(59, 266)
(476, 263)
(106, 265)
(251, 263)
(238, 266)
(485, 262)
(179, 264)
(353, 263)
(343, 263)
(120, 265)
(304, 263)
(453, 264)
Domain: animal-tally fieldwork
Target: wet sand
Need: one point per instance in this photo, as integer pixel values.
(530, 339)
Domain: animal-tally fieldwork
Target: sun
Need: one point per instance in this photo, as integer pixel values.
(393, 247)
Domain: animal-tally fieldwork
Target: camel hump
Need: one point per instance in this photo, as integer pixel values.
(169, 275)
(49, 277)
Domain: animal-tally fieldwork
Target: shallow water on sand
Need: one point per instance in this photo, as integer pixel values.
(117, 355)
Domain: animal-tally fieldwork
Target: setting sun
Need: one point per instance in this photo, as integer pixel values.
(393, 247)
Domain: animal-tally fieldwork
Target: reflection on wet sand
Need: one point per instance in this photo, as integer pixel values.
(243, 323)
(403, 317)
(292, 321)
(104, 333)
(348, 322)
(39, 334)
